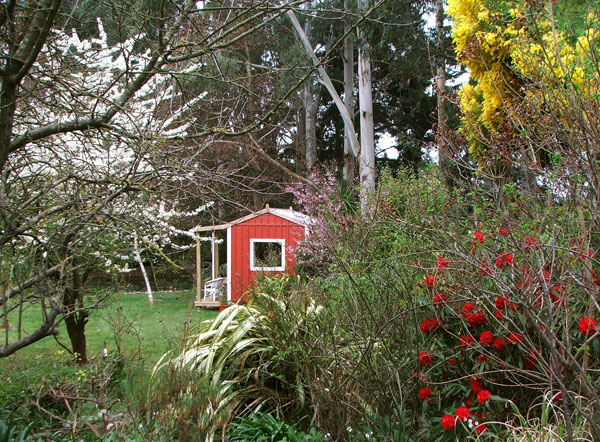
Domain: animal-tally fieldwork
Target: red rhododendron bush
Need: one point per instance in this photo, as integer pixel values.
(508, 322)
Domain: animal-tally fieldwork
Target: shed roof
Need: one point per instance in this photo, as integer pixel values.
(287, 214)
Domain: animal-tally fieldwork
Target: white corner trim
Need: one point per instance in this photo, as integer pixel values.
(229, 264)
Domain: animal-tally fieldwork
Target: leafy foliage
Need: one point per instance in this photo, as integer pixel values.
(262, 427)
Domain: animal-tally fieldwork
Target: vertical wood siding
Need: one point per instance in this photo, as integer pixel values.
(267, 226)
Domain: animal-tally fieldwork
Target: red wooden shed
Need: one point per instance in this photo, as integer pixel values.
(262, 242)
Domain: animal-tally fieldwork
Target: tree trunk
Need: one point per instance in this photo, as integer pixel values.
(349, 163)
(138, 258)
(326, 81)
(300, 138)
(443, 148)
(76, 331)
(76, 316)
(310, 106)
(367, 135)
(310, 109)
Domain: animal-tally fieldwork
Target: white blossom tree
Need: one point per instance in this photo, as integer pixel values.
(91, 134)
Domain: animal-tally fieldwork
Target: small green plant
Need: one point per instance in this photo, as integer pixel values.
(263, 427)
(10, 433)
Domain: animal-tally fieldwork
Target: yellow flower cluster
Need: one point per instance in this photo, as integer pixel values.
(516, 53)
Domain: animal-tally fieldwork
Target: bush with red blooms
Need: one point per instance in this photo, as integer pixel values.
(492, 323)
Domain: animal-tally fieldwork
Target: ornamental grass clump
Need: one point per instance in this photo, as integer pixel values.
(511, 320)
(240, 362)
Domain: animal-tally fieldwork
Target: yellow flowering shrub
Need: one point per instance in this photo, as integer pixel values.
(520, 50)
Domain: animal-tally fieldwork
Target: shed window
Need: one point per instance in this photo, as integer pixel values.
(267, 255)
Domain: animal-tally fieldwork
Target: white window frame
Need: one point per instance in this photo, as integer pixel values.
(280, 268)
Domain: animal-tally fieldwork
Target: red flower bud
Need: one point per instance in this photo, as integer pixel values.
(587, 326)
(476, 385)
(486, 338)
(463, 413)
(483, 396)
(442, 262)
(439, 298)
(448, 422)
(530, 243)
(504, 259)
(429, 282)
(425, 358)
(465, 340)
(499, 344)
(424, 393)
(514, 337)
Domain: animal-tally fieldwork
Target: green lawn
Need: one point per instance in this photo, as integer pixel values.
(125, 322)
(130, 327)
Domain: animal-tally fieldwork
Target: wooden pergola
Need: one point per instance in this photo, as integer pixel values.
(200, 301)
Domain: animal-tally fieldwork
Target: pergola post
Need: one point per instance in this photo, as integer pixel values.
(215, 255)
(198, 269)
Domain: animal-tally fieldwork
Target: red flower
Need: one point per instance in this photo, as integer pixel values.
(482, 358)
(429, 282)
(481, 428)
(582, 255)
(439, 298)
(529, 360)
(484, 269)
(483, 396)
(476, 319)
(587, 326)
(478, 237)
(463, 413)
(500, 302)
(504, 259)
(503, 231)
(425, 358)
(447, 422)
(452, 361)
(486, 337)
(530, 243)
(442, 262)
(526, 281)
(469, 401)
(514, 337)
(467, 309)
(498, 314)
(556, 290)
(476, 385)
(499, 344)
(429, 325)
(424, 393)
(465, 340)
